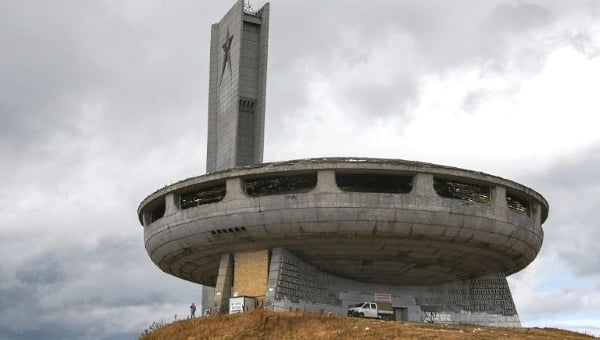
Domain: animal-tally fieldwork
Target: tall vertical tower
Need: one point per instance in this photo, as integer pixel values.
(236, 95)
(237, 84)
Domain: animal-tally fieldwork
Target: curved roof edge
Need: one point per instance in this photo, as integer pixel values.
(342, 163)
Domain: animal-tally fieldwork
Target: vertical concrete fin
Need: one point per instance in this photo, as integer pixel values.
(211, 145)
(326, 181)
(234, 189)
(500, 197)
(170, 204)
(208, 298)
(224, 283)
(424, 185)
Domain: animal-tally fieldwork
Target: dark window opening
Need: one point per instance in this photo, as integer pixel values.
(202, 196)
(247, 105)
(461, 191)
(157, 212)
(281, 185)
(229, 230)
(518, 205)
(379, 183)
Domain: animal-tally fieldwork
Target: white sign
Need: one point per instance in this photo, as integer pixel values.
(383, 297)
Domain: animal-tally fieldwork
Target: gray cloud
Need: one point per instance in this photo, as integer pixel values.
(80, 291)
(494, 38)
(519, 17)
(46, 270)
(103, 102)
(563, 281)
(571, 187)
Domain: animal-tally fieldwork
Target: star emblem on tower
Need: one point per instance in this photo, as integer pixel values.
(227, 55)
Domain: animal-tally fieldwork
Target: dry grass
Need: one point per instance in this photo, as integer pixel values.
(261, 324)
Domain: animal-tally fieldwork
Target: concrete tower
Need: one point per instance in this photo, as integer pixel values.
(236, 99)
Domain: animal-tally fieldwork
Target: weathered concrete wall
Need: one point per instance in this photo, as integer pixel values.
(237, 82)
(294, 284)
(417, 237)
(208, 298)
(223, 287)
(418, 246)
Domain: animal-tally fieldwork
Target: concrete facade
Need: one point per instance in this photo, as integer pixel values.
(223, 284)
(237, 85)
(324, 234)
(296, 285)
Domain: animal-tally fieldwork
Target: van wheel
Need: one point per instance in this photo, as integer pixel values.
(362, 315)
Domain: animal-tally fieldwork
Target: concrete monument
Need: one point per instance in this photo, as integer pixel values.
(324, 234)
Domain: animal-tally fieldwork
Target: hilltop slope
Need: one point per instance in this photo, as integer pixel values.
(261, 324)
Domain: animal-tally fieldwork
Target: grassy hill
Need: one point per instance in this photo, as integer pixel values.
(261, 324)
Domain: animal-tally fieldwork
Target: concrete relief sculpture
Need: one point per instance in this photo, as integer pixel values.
(226, 55)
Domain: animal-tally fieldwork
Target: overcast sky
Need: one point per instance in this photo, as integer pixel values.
(103, 102)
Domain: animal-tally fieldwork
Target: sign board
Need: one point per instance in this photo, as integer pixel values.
(384, 301)
(383, 297)
(241, 304)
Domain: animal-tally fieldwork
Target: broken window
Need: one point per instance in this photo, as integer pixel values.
(518, 205)
(281, 184)
(202, 196)
(461, 191)
(157, 212)
(379, 183)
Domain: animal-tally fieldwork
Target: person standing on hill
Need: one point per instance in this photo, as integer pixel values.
(192, 311)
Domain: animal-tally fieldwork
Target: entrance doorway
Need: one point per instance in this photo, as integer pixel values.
(400, 314)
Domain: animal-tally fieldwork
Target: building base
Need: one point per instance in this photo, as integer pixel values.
(296, 285)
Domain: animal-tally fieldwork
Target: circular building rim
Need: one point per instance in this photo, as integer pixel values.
(351, 165)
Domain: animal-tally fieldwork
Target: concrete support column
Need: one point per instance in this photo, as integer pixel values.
(536, 214)
(234, 189)
(423, 185)
(273, 280)
(500, 198)
(146, 218)
(224, 283)
(499, 201)
(208, 297)
(170, 204)
(326, 181)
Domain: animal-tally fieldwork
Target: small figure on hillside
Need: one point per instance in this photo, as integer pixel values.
(193, 310)
(208, 311)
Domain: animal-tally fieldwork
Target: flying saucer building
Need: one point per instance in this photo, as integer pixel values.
(436, 242)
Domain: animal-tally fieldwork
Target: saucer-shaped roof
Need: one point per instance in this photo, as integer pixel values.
(370, 220)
